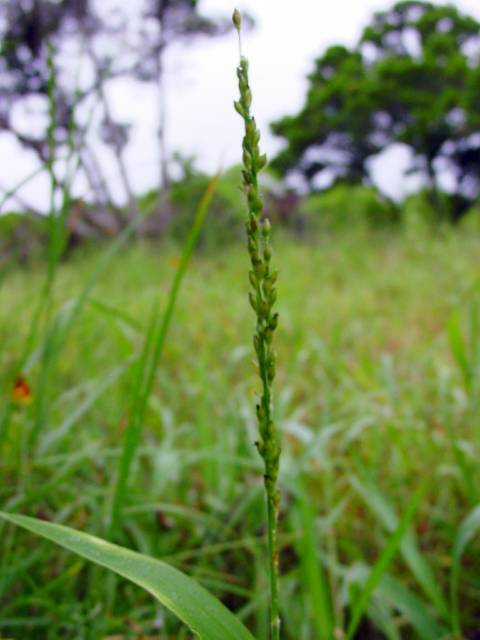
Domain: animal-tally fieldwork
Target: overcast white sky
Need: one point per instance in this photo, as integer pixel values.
(201, 85)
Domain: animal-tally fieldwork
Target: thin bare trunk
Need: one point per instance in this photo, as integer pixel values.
(95, 177)
(162, 118)
(96, 189)
(164, 208)
(119, 156)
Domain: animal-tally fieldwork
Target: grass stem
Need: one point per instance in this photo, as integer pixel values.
(262, 299)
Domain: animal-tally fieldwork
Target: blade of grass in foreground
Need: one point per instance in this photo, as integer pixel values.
(145, 371)
(383, 562)
(206, 616)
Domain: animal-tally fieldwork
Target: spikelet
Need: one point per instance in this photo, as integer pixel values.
(262, 296)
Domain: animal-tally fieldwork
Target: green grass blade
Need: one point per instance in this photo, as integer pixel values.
(314, 573)
(61, 330)
(458, 348)
(117, 314)
(383, 562)
(412, 555)
(414, 609)
(97, 389)
(148, 364)
(62, 326)
(469, 528)
(206, 616)
(131, 437)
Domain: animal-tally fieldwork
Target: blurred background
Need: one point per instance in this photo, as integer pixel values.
(114, 116)
(374, 99)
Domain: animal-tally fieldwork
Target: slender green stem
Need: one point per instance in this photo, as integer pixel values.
(148, 364)
(273, 555)
(262, 298)
(272, 493)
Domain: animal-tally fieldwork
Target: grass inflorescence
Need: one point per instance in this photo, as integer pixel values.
(262, 299)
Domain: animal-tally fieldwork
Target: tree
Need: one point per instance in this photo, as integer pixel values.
(25, 30)
(411, 79)
(109, 44)
(166, 22)
(335, 130)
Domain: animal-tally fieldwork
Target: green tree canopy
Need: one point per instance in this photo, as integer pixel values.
(412, 78)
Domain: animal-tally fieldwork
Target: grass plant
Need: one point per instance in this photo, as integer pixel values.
(262, 299)
(376, 387)
(368, 388)
(146, 367)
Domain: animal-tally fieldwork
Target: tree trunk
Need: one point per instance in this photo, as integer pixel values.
(94, 175)
(164, 213)
(164, 178)
(132, 202)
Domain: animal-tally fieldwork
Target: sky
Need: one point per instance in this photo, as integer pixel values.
(200, 85)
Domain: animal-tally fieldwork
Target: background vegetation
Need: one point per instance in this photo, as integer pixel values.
(378, 376)
(378, 350)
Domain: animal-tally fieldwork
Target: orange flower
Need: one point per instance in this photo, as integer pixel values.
(21, 392)
(174, 261)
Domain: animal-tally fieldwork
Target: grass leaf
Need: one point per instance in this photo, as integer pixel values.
(469, 527)
(414, 609)
(199, 610)
(383, 562)
(458, 347)
(314, 573)
(412, 555)
(147, 366)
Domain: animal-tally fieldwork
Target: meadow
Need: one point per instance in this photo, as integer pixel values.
(376, 395)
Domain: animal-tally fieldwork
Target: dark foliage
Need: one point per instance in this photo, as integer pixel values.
(411, 79)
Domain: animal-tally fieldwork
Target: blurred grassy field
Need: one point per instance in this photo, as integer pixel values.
(378, 380)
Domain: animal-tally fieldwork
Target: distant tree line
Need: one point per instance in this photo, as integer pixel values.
(413, 78)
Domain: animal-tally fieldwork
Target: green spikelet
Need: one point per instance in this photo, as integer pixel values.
(262, 299)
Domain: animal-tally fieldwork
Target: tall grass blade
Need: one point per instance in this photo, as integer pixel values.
(63, 324)
(414, 609)
(145, 373)
(383, 562)
(467, 530)
(197, 608)
(315, 577)
(412, 555)
(459, 349)
(63, 328)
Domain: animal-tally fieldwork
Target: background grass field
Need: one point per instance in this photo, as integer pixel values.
(377, 390)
